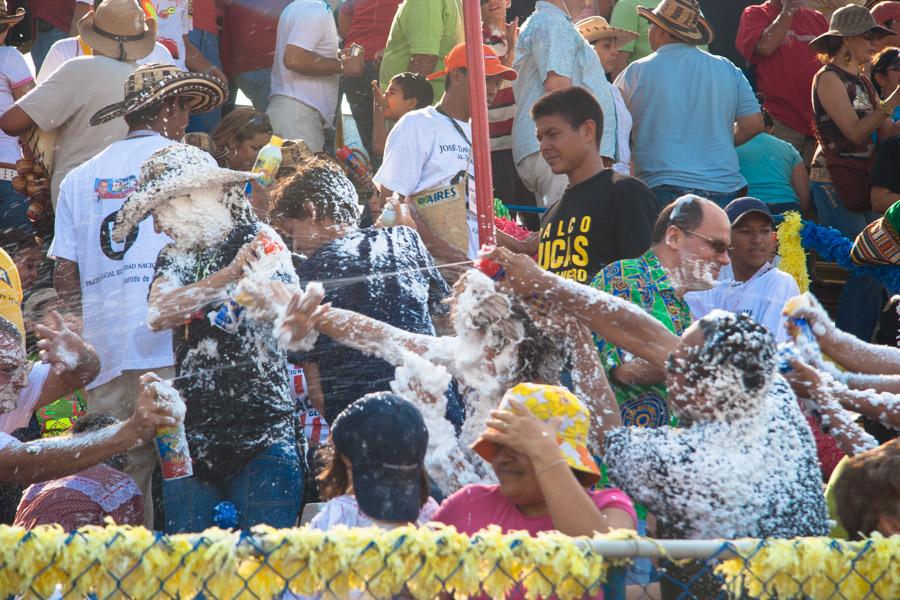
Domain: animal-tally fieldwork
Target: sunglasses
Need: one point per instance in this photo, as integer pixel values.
(718, 246)
(260, 121)
(871, 36)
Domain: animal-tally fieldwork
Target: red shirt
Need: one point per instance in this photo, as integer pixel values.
(248, 35)
(56, 12)
(371, 23)
(204, 15)
(85, 498)
(785, 77)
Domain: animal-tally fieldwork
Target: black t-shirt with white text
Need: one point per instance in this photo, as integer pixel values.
(603, 219)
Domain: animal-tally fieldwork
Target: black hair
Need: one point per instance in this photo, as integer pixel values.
(575, 105)
(688, 217)
(16, 240)
(96, 422)
(149, 114)
(414, 86)
(317, 185)
(868, 488)
(540, 355)
(880, 64)
(448, 79)
(728, 339)
(830, 47)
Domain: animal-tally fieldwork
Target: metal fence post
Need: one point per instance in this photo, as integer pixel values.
(614, 588)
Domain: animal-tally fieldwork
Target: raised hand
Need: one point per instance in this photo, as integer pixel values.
(59, 346)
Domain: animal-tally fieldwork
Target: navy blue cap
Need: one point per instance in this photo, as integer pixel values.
(736, 209)
(385, 439)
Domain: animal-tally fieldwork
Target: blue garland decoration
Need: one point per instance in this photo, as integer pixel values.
(225, 515)
(832, 246)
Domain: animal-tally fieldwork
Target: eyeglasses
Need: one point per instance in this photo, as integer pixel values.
(718, 246)
(871, 36)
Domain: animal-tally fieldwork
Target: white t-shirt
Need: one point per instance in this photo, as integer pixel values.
(63, 50)
(115, 278)
(424, 150)
(173, 22)
(761, 297)
(344, 510)
(307, 24)
(14, 73)
(28, 397)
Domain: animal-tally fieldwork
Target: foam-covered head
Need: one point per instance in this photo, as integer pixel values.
(13, 365)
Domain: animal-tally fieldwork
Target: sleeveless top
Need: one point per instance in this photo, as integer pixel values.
(864, 99)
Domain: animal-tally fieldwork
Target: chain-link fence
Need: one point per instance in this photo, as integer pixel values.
(409, 562)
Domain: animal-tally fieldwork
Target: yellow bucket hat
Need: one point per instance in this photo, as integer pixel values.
(547, 402)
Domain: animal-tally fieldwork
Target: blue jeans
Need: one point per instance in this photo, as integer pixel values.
(862, 297)
(269, 490)
(13, 207)
(256, 86)
(667, 194)
(208, 44)
(42, 42)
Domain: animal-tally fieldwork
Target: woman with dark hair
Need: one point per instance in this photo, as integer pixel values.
(886, 75)
(847, 111)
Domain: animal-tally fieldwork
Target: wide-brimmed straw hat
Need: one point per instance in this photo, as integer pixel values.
(10, 19)
(204, 141)
(118, 29)
(170, 172)
(682, 19)
(594, 29)
(849, 21)
(548, 402)
(151, 84)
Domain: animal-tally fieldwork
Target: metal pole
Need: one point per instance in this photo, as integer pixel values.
(481, 141)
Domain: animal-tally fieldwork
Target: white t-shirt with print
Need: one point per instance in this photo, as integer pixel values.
(425, 150)
(63, 50)
(173, 22)
(14, 73)
(115, 278)
(762, 298)
(344, 510)
(307, 24)
(28, 397)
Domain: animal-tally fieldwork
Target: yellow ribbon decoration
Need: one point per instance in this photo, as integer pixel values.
(793, 257)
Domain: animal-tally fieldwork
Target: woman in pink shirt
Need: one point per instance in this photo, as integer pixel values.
(536, 444)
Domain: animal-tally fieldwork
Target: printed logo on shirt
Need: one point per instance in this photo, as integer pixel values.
(114, 189)
(4, 277)
(462, 151)
(564, 248)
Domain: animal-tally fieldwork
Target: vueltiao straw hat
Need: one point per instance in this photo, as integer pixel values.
(172, 171)
(118, 29)
(594, 29)
(682, 19)
(849, 21)
(151, 84)
(10, 19)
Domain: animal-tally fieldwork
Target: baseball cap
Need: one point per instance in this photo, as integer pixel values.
(547, 402)
(736, 209)
(385, 439)
(457, 59)
(886, 11)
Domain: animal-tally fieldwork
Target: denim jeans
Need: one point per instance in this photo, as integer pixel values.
(13, 208)
(359, 96)
(208, 44)
(42, 42)
(269, 490)
(861, 298)
(667, 194)
(256, 86)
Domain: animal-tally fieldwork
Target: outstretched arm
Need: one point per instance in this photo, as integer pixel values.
(617, 321)
(591, 385)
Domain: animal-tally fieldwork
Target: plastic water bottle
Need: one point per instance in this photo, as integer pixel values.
(268, 160)
(389, 214)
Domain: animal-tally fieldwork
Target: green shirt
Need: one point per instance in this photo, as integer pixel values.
(421, 27)
(644, 282)
(625, 16)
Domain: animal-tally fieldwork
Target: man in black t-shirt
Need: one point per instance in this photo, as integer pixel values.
(886, 176)
(603, 216)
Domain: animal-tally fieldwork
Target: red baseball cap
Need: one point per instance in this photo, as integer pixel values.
(886, 11)
(457, 59)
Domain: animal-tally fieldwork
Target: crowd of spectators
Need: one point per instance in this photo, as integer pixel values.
(333, 334)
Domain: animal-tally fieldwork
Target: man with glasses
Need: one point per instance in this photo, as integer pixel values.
(689, 245)
(751, 285)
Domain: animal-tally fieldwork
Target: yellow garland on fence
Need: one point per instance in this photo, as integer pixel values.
(817, 568)
(222, 564)
(793, 258)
